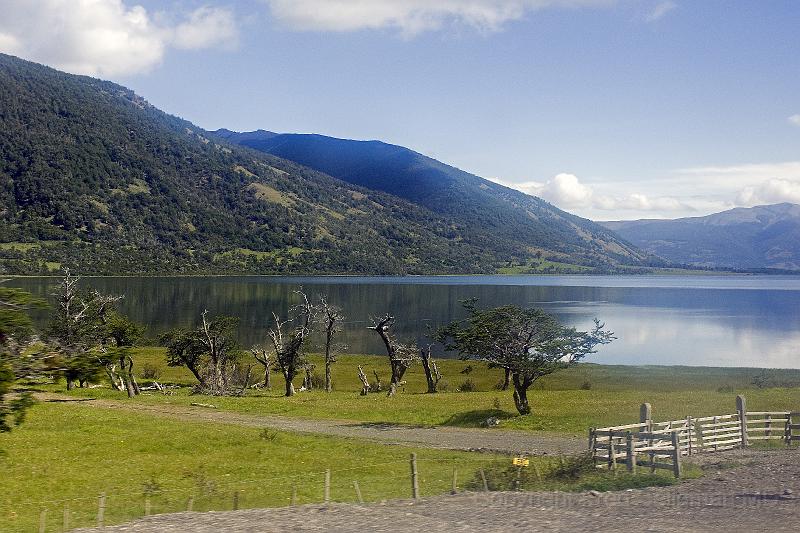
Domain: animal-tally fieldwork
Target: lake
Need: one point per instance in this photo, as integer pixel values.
(749, 321)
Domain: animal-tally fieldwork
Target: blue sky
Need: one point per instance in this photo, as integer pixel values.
(609, 109)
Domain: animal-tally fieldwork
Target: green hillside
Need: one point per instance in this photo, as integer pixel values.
(94, 178)
(493, 216)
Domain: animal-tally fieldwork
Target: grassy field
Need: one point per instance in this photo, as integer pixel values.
(65, 455)
(569, 402)
(69, 452)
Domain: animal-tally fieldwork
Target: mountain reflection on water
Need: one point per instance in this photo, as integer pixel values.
(691, 320)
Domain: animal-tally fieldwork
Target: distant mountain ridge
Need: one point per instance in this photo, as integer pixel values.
(94, 178)
(491, 213)
(766, 236)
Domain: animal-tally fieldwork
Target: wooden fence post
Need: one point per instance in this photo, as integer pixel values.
(43, 521)
(293, 501)
(66, 517)
(787, 432)
(455, 481)
(676, 454)
(101, 509)
(327, 493)
(592, 443)
(236, 500)
(689, 433)
(646, 419)
(646, 416)
(414, 477)
(358, 492)
(631, 458)
(190, 504)
(698, 430)
(147, 505)
(741, 408)
(612, 451)
(483, 479)
(768, 426)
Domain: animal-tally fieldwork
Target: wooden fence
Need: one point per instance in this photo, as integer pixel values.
(662, 444)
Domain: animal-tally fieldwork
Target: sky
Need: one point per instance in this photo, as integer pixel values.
(610, 109)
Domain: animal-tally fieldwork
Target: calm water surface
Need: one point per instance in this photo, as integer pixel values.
(698, 320)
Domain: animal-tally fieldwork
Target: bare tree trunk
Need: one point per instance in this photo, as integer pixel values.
(378, 383)
(70, 384)
(506, 379)
(521, 385)
(328, 382)
(398, 371)
(132, 377)
(365, 388)
(267, 378)
(289, 376)
(431, 370)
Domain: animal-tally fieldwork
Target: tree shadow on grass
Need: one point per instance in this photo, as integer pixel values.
(476, 418)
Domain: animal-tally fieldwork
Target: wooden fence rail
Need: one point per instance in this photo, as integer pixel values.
(651, 444)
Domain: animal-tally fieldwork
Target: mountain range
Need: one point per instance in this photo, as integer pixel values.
(95, 178)
(760, 237)
(492, 215)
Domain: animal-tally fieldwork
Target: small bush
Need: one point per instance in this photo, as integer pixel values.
(496, 403)
(317, 380)
(468, 386)
(151, 371)
(586, 385)
(151, 487)
(467, 369)
(573, 467)
(726, 389)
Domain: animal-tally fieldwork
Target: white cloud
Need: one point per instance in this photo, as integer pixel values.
(772, 191)
(739, 176)
(795, 119)
(683, 192)
(409, 16)
(564, 190)
(103, 37)
(660, 9)
(207, 27)
(641, 202)
(567, 191)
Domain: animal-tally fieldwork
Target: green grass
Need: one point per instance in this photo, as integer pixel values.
(560, 403)
(20, 246)
(537, 266)
(66, 451)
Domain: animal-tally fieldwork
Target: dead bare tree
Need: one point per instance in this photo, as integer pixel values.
(263, 357)
(401, 356)
(331, 318)
(77, 333)
(288, 343)
(431, 369)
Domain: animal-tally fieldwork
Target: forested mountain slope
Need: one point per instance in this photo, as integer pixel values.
(493, 215)
(94, 178)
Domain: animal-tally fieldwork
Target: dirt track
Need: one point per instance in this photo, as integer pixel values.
(760, 494)
(496, 439)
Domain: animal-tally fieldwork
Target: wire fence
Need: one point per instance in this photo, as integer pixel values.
(198, 492)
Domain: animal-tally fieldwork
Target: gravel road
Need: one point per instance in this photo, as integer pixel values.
(754, 490)
(488, 440)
